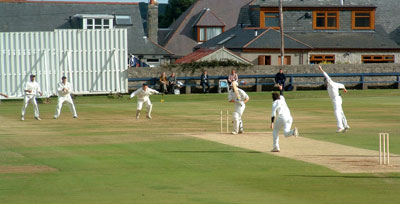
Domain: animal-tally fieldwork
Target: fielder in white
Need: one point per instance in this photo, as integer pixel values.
(280, 117)
(64, 95)
(143, 97)
(240, 105)
(32, 88)
(333, 90)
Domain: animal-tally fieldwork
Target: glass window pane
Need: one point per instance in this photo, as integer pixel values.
(106, 22)
(97, 21)
(272, 14)
(363, 14)
(320, 22)
(321, 14)
(331, 14)
(97, 27)
(331, 22)
(362, 22)
(272, 22)
(89, 27)
(90, 21)
(212, 32)
(201, 34)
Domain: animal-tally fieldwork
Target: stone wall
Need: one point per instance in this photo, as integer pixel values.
(138, 72)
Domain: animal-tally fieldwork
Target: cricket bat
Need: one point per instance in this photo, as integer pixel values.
(235, 89)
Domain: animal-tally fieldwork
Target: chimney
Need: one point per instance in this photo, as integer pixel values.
(152, 21)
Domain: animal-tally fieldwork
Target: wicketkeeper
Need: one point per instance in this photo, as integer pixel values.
(64, 95)
(143, 97)
(240, 98)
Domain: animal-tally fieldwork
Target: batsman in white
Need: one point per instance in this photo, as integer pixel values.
(280, 117)
(64, 95)
(32, 88)
(143, 97)
(333, 90)
(240, 98)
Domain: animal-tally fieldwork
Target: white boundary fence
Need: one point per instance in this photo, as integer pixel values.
(95, 61)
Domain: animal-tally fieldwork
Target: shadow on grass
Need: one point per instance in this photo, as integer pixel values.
(347, 177)
(214, 151)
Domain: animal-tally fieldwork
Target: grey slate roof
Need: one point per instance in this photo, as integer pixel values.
(208, 18)
(315, 3)
(241, 38)
(23, 16)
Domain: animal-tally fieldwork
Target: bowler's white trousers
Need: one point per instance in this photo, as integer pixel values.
(237, 117)
(339, 114)
(68, 100)
(32, 99)
(286, 123)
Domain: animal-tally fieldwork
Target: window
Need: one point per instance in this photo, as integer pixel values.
(97, 23)
(377, 58)
(287, 60)
(264, 60)
(316, 59)
(270, 19)
(363, 20)
(153, 60)
(206, 33)
(326, 20)
(123, 20)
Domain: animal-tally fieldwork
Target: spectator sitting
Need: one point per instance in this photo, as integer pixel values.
(280, 78)
(204, 82)
(233, 77)
(172, 83)
(163, 83)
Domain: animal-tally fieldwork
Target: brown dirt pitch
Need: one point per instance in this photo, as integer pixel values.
(341, 158)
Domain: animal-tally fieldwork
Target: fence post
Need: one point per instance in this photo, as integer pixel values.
(364, 86)
(188, 88)
(258, 86)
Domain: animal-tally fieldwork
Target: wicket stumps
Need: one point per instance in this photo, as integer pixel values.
(227, 124)
(384, 149)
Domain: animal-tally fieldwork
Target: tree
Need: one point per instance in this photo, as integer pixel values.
(174, 9)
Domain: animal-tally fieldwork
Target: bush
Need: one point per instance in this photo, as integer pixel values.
(193, 66)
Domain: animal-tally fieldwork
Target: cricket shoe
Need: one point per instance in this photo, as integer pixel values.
(55, 117)
(234, 133)
(275, 150)
(241, 131)
(22, 118)
(148, 116)
(340, 130)
(346, 128)
(37, 118)
(295, 132)
(75, 116)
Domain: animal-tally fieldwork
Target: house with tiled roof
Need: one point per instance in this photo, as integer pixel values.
(315, 31)
(202, 21)
(32, 16)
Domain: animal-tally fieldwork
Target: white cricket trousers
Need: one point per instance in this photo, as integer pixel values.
(339, 114)
(32, 99)
(67, 99)
(286, 123)
(149, 106)
(237, 117)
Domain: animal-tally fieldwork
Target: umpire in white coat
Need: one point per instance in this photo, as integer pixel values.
(240, 105)
(32, 88)
(64, 95)
(143, 97)
(333, 91)
(280, 117)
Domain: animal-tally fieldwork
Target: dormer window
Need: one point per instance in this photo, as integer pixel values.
(206, 33)
(94, 21)
(363, 20)
(328, 20)
(208, 25)
(269, 19)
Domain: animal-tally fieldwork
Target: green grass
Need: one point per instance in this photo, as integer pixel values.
(106, 156)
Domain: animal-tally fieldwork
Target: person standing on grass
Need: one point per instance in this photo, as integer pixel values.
(64, 95)
(204, 82)
(240, 105)
(163, 83)
(143, 97)
(32, 88)
(280, 117)
(333, 91)
(172, 82)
